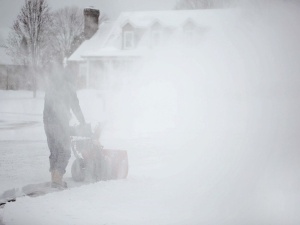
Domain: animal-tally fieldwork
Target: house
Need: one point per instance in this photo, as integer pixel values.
(12, 76)
(115, 49)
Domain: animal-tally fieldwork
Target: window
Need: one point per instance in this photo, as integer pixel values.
(82, 70)
(156, 37)
(156, 34)
(189, 36)
(128, 40)
(189, 29)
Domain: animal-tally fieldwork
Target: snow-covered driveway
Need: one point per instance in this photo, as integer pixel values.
(209, 177)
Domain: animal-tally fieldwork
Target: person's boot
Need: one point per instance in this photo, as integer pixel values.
(56, 180)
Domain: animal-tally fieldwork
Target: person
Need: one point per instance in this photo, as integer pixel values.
(60, 99)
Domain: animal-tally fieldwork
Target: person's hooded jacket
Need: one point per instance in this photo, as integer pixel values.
(60, 98)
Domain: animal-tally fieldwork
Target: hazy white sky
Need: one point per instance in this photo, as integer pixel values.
(9, 8)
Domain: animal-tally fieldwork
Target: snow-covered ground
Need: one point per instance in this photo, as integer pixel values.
(212, 137)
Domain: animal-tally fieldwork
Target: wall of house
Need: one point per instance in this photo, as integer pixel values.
(14, 78)
(109, 73)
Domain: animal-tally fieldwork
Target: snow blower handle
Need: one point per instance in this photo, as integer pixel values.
(82, 130)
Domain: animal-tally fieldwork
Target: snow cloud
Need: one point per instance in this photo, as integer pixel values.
(227, 109)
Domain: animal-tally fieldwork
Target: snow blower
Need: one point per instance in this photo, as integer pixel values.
(92, 161)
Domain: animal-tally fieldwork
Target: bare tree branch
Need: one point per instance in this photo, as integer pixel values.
(27, 40)
(66, 27)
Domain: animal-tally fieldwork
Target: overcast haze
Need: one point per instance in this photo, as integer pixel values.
(112, 8)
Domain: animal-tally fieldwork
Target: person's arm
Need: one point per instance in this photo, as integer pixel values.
(74, 103)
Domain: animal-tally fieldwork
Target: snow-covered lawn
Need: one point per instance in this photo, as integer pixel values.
(212, 137)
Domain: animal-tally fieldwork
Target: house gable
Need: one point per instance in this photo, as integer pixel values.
(190, 31)
(128, 37)
(156, 33)
(189, 24)
(131, 35)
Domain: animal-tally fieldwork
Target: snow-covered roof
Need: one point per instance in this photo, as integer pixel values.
(107, 40)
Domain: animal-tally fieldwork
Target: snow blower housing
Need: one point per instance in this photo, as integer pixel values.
(92, 161)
